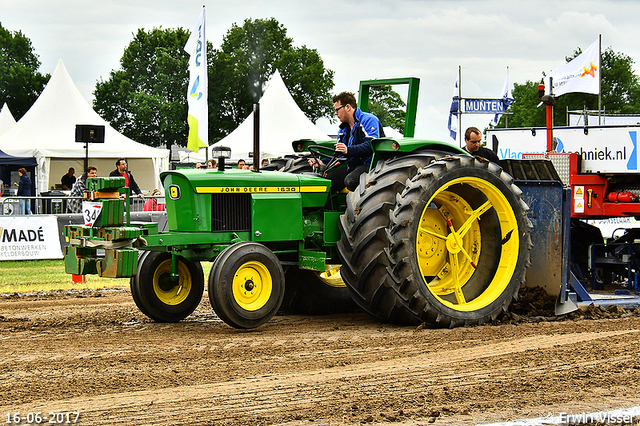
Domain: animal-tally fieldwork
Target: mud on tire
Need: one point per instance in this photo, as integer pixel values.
(364, 237)
(459, 243)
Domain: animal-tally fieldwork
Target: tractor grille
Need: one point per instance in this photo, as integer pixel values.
(231, 212)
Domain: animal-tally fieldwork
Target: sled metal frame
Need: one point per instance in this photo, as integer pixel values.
(550, 213)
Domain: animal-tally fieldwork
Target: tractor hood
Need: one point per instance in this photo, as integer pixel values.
(206, 201)
(246, 181)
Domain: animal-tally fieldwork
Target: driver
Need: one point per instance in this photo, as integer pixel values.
(357, 129)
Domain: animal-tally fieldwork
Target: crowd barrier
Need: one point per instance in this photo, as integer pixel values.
(40, 236)
(46, 204)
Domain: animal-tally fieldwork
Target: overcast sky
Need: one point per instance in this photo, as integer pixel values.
(359, 40)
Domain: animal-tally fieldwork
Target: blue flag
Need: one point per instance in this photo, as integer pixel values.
(454, 112)
(507, 99)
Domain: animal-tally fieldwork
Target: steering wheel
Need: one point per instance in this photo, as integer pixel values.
(317, 151)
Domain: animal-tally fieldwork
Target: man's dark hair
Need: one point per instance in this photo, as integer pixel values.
(346, 98)
(470, 130)
(119, 160)
(91, 168)
(71, 168)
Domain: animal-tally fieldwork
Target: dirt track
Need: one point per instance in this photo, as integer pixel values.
(96, 354)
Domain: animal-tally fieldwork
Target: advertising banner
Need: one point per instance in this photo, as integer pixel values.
(607, 149)
(29, 237)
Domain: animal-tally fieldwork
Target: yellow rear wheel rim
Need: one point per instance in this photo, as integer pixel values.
(331, 276)
(252, 286)
(449, 244)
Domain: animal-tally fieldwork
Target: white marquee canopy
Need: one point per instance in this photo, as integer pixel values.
(281, 123)
(47, 132)
(6, 119)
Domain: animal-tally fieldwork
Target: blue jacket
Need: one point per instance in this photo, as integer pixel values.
(24, 187)
(358, 138)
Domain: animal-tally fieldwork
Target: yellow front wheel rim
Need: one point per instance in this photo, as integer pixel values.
(252, 286)
(449, 243)
(170, 292)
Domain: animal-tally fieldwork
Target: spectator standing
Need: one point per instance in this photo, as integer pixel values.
(212, 164)
(129, 181)
(68, 179)
(24, 190)
(152, 203)
(75, 205)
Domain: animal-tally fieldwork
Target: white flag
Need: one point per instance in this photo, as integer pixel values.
(198, 117)
(454, 111)
(582, 74)
(507, 99)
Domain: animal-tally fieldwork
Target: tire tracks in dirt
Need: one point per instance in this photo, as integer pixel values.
(337, 390)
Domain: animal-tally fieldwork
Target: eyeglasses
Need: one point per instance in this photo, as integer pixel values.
(339, 108)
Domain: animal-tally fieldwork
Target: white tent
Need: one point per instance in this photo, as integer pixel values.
(390, 132)
(47, 132)
(6, 119)
(281, 123)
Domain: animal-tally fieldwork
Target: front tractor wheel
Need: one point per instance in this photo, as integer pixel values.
(246, 285)
(160, 297)
(460, 242)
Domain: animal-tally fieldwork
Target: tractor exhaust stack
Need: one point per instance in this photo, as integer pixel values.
(256, 137)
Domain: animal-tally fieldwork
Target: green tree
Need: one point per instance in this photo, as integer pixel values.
(247, 58)
(388, 106)
(146, 98)
(524, 110)
(20, 83)
(620, 90)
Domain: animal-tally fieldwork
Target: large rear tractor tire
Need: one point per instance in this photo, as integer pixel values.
(246, 285)
(316, 293)
(160, 298)
(459, 243)
(364, 236)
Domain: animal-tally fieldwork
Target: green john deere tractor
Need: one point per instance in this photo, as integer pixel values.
(430, 235)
